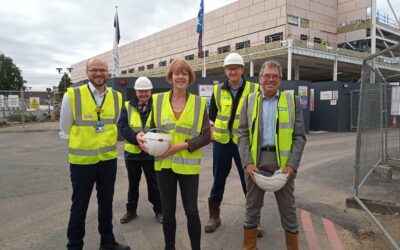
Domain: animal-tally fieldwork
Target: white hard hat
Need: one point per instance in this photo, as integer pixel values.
(233, 59)
(270, 184)
(143, 83)
(156, 143)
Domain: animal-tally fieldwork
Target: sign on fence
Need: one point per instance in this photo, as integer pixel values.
(34, 102)
(2, 105)
(13, 101)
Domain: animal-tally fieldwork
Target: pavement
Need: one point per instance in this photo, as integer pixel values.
(35, 193)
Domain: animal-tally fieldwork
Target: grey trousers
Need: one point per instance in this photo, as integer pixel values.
(284, 198)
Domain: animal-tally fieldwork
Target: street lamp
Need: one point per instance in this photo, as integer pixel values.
(61, 71)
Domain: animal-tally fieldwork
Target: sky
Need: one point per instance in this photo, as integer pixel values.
(42, 35)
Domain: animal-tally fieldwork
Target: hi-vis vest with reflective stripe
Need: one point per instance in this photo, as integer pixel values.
(285, 117)
(85, 145)
(224, 101)
(135, 123)
(186, 127)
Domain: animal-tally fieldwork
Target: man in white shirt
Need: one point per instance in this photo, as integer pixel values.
(89, 115)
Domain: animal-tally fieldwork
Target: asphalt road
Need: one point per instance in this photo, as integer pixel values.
(35, 195)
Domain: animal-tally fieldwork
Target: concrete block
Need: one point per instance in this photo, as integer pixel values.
(374, 205)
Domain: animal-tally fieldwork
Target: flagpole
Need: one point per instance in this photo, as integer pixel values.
(115, 53)
(204, 46)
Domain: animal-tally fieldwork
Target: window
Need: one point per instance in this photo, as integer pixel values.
(274, 37)
(224, 49)
(204, 52)
(162, 63)
(304, 23)
(141, 68)
(123, 72)
(303, 37)
(150, 66)
(293, 20)
(189, 57)
(317, 40)
(242, 45)
(131, 70)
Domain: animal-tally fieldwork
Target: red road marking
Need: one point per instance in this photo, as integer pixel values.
(332, 234)
(309, 231)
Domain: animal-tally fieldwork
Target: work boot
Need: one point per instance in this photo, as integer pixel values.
(128, 216)
(159, 218)
(292, 240)
(260, 231)
(214, 221)
(115, 246)
(250, 239)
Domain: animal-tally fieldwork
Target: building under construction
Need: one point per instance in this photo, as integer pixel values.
(315, 40)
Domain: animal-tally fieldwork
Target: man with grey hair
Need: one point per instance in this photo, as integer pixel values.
(271, 138)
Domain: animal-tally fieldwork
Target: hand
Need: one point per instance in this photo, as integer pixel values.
(290, 171)
(249, 169)
(141, 140)
(173, 148)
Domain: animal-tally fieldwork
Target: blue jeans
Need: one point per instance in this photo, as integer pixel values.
(222, 164)
(83, 179)
(189, 187)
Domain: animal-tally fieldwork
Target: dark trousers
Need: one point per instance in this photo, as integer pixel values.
(134, 169)
(222, 164)
(83, 178)
(189, 186)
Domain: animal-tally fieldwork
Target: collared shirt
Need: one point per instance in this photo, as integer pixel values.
(66, 118)
(269, 112)
(142, 107)
(235, 91)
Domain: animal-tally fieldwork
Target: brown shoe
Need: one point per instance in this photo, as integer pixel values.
(128, 216)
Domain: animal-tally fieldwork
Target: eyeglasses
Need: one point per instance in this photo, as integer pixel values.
(269, 76)
(97, 70)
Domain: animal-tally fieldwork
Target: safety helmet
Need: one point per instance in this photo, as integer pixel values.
(156, 143)
(143, 83)
(272, 183)
(233, 59)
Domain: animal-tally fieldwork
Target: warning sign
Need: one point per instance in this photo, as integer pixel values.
(34, 102)
(13, 101)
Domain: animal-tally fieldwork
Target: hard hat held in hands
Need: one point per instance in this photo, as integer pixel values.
(156, 143)
(272, 183)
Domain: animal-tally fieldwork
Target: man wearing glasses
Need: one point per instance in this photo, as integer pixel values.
(225, 106)
(271, 137)
(89, 116)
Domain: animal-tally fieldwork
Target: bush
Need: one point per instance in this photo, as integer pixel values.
(16, 117)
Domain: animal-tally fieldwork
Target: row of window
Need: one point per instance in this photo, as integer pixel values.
(268, 39)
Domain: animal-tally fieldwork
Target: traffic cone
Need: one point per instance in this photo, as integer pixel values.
(394, 122)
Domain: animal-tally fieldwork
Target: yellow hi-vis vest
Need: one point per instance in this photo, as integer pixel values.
(135, 123)
(285, 117)
(186, 127)
(85, 145)
(224, 101)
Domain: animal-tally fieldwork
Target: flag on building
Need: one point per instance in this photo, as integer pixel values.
(200, 26)
(115, 54)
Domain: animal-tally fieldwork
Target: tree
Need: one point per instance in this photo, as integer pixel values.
(65, 82)
(10, 74)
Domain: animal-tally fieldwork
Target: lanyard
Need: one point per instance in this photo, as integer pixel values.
(98, 109)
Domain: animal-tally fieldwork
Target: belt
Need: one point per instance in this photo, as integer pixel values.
(268, 148)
